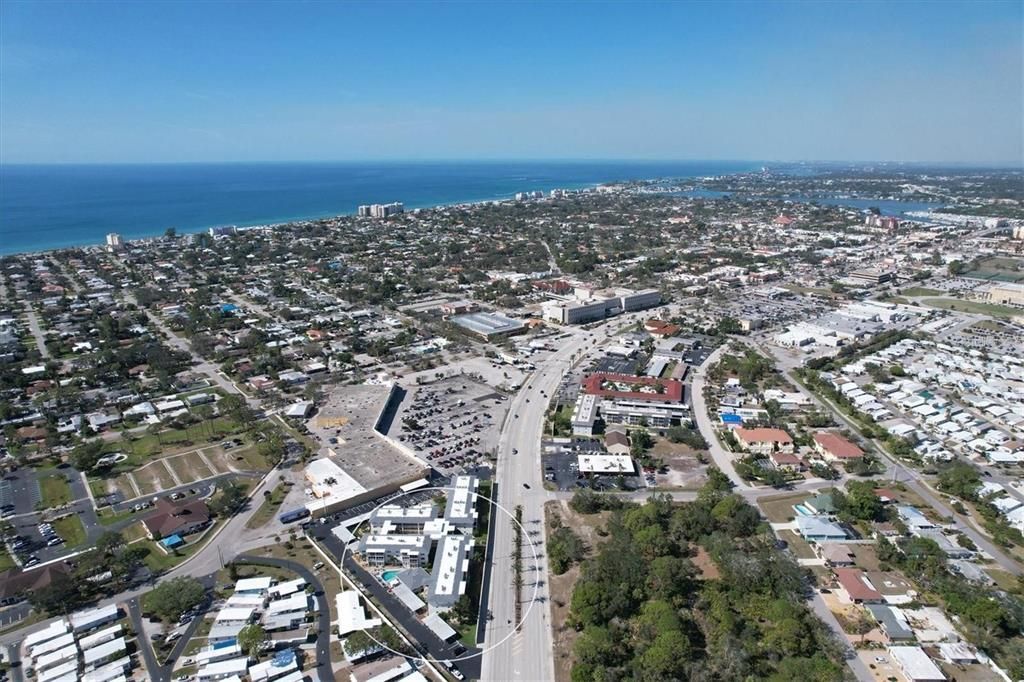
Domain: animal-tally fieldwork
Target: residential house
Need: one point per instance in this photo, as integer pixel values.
(856, 588)
(834, 448)
(616, 442)
(763, 441)
(182, 518)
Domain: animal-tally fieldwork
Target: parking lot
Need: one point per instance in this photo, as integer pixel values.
(453, 423)
(561, 470)
(990, 336)
(780, 311)
(19, 492)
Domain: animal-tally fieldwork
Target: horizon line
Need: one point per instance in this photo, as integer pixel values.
(987, 165)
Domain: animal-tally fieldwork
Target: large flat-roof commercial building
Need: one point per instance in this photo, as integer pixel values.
(358, 463)
(609, 465)
(591, 306)
(1005, 294)
(871, 276)
(489, 326)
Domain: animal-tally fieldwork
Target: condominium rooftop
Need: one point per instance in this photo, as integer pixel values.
(451, 562)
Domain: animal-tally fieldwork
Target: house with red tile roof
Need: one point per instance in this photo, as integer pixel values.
(856, 587)
(786, 460)
(763, 441)
(834, 448)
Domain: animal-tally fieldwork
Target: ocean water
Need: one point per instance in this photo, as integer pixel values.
(49, 207)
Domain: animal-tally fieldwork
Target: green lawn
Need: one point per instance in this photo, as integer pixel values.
(71, 529)
(98, 487)
(108, 518)
(5, 560)
(55, 490)
(920, 291)
(250, 458)
(142, 446)
(269, 507)
(972, 307)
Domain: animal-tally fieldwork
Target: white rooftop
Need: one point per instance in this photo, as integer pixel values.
(268, 671)
(351, 616)
(916, 664)
(67, 639)
(221, 669)
(605, 464)
(83, 620)
(231, 615)
(286, 588)
(55, 657)
(296, 602)
(64, 671)
(54, 629)
(100, 636)
(103, 651)
(254, 584)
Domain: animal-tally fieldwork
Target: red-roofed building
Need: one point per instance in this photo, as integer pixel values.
(647, 389)
(835, 448)
(763, 441)
(784, 220)
(886, 495)
(660, 328)
(856, 586)
(554, 286)
(786, 460)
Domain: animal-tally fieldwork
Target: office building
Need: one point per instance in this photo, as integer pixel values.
(871, 276)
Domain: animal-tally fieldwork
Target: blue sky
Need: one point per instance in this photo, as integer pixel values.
(208, 81)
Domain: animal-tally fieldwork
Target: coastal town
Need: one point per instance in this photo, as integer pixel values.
(763, 425)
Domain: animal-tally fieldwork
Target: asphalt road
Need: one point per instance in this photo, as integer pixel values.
(155, 671)
(522, 651)
(37, 332)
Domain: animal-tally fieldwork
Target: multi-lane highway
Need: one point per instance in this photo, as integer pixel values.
(524, 652)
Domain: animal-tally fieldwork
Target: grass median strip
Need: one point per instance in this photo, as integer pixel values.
(54, 490)
(71, 529)
(271, 503)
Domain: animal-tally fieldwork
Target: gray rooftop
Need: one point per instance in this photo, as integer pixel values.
(488, 324)
(894, 626)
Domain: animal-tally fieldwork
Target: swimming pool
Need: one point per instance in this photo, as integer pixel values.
(388, 576)
(802, 510)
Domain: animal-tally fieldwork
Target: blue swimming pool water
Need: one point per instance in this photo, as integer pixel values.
(388, 576)
(802, 510)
